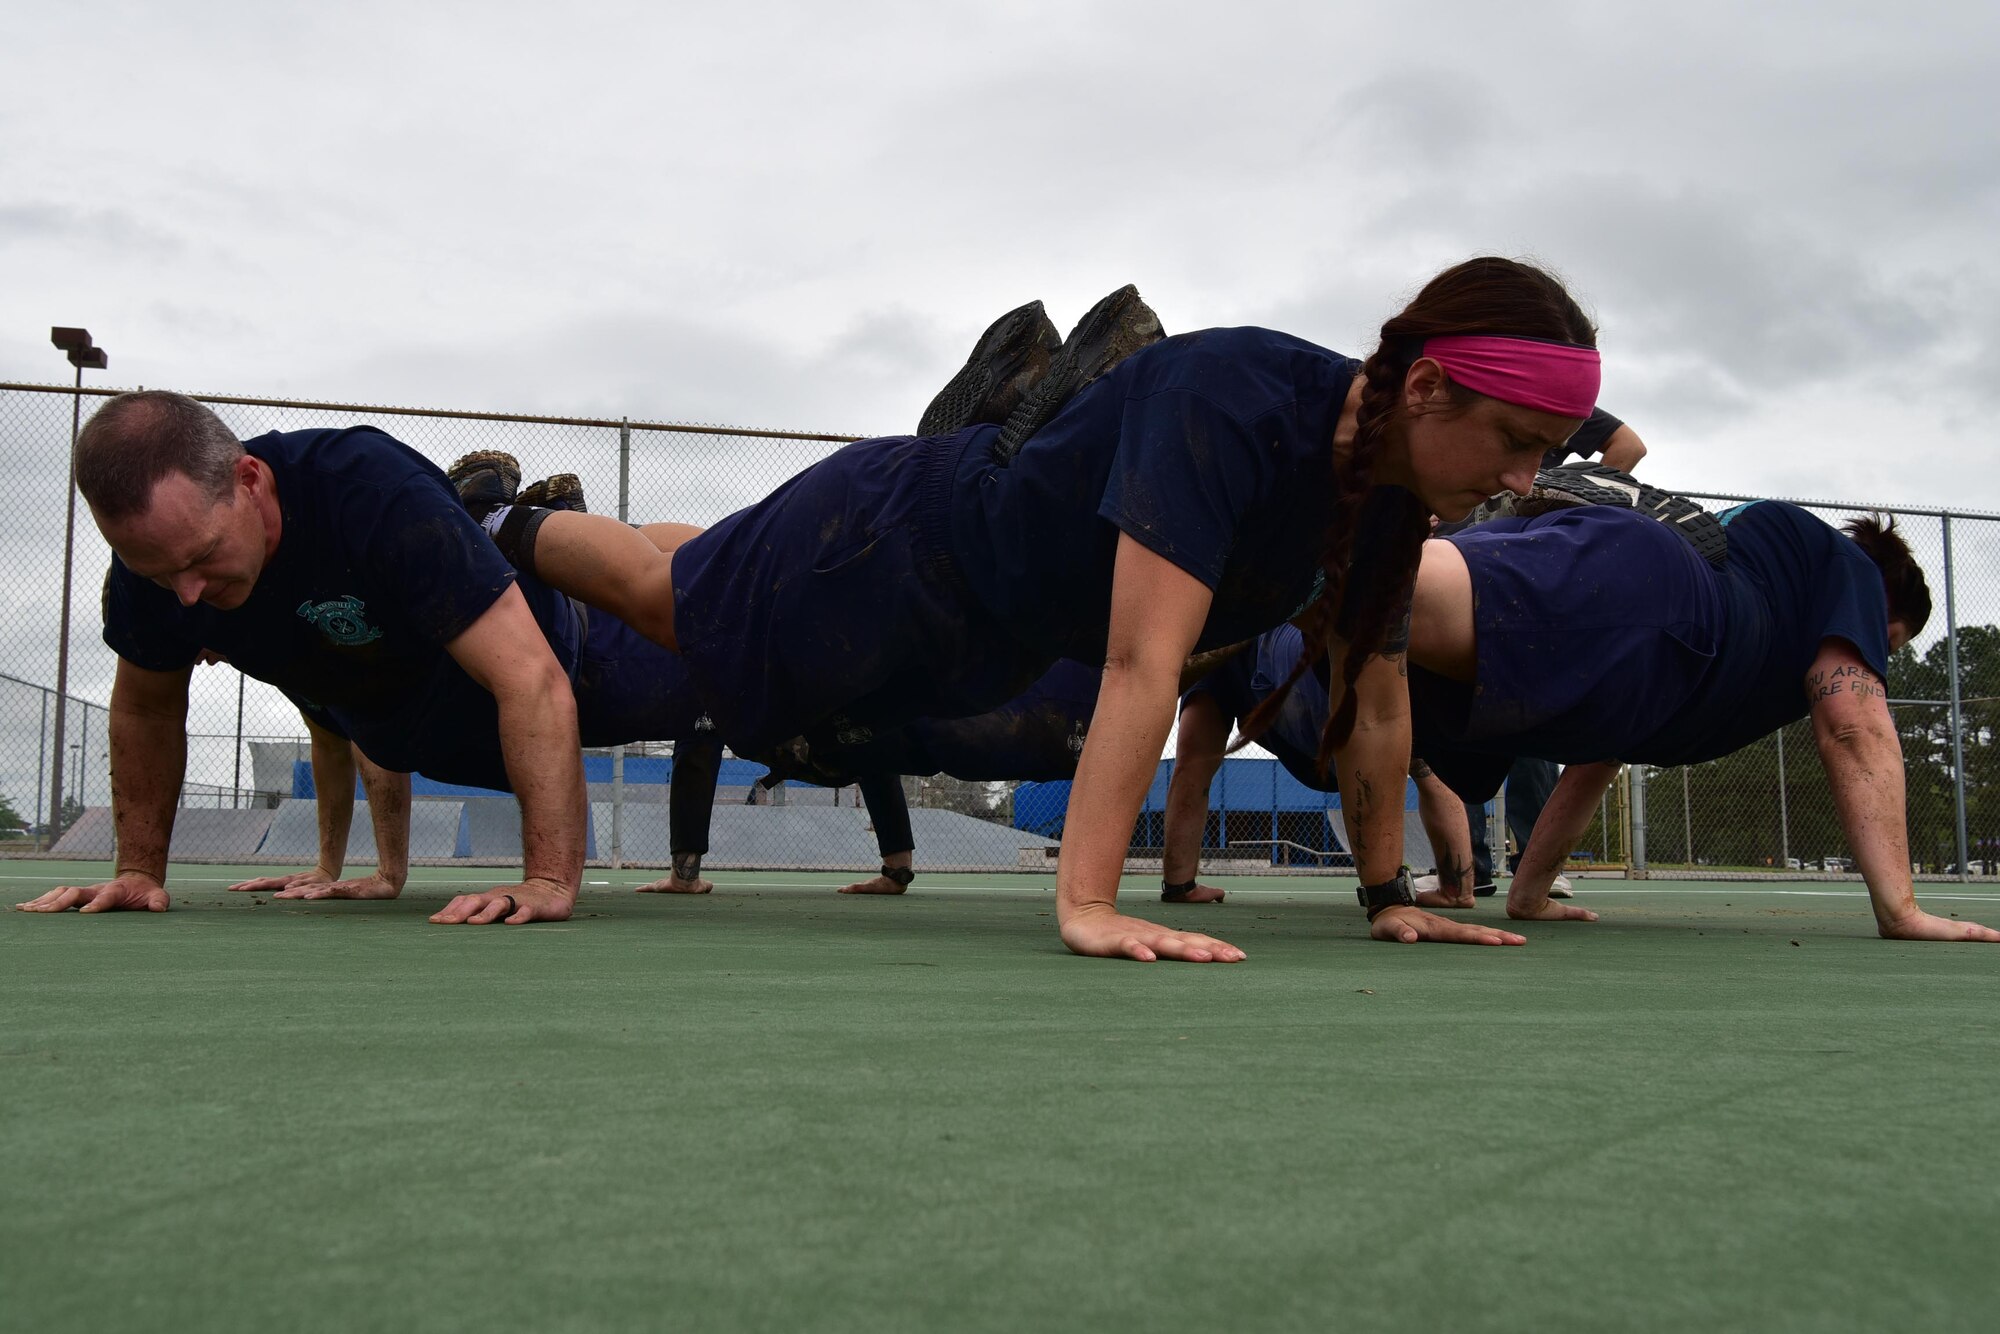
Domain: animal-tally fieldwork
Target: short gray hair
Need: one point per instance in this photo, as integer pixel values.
(135, 440)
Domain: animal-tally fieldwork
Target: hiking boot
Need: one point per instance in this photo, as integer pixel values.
(486, 479)
(1009, 358)
(1597, 484)
(563, 491)
(1109, 332)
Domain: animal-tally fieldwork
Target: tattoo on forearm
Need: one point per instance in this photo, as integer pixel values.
(687, 866)
(1418, 769)
(1850, 679)
(1453, 872)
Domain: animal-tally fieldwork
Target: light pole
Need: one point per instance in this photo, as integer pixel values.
(82, 353)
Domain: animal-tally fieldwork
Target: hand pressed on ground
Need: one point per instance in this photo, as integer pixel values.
(317, 884)
(1106, 933)
(132, 891)
(534, 901)
(1407, 926)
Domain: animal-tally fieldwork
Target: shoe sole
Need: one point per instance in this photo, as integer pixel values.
(1597, 484)
(1009, 358)
(563, 491)
(483, 460)
(1109, 332)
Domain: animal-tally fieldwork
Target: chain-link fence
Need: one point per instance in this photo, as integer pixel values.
(1769, 809)
(1764, 810)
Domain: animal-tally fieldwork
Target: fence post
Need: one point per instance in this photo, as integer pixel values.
(1496, 833)
(1784, 810)
(63, 635)
(617, 857)
(1687, 817)
(1957, 722)
(1638, 870)
(236, 794)
(41, 771)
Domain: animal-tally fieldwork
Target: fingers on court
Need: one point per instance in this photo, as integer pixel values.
(457, 910)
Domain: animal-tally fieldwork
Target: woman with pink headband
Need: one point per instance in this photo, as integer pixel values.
(1209, 487)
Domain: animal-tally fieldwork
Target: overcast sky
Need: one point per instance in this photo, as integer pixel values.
(799, 215)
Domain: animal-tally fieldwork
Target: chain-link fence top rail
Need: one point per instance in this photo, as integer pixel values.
(1731, 813)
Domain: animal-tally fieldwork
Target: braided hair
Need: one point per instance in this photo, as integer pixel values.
(1488, 295)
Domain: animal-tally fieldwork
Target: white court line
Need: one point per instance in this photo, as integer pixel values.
(998, 884)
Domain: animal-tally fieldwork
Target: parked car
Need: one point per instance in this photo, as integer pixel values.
(1835, 864)
(1794, 864)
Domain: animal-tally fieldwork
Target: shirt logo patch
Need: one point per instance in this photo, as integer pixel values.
(340, 620)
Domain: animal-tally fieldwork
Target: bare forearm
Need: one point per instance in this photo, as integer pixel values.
(333, 784)
(148, 757)
(1373, 765)
(1120, 757)
(1569, 811)
(1864, 766)
(539, 742)
(1187, 818)
(389, 813)
(1443, 815)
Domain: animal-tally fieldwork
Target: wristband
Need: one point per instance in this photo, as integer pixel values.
(1389, 894)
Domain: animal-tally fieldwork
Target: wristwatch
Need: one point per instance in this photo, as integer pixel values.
(1389, 894)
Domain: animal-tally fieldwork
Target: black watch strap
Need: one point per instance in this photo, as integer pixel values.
(902, 875)
(1389, 894)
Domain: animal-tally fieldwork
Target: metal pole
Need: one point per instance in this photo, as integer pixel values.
(41, 770)
(237, 794)
(1957, 721)
(1496, 833)
(1687, 818)
(1604, 820)
(83, 760)
(1638, 871)
(617, 857)
(63, 635)
(1784, 811)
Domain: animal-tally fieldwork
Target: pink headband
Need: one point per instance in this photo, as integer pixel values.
(1551, 377)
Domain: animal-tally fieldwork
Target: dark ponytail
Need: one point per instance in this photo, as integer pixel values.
(1488, 295)
(1902, 578)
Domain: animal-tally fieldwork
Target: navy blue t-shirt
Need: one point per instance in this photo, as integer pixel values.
(1213, 449)
(1791, 581)
(1588, 439)
(378, 566)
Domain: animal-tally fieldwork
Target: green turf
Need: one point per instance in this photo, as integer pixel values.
(1722, 1108)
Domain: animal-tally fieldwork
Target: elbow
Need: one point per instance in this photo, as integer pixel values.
(543, 686)
(1849, 740)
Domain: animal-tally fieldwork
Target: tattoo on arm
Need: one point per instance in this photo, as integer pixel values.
(1453, 872)
(1851, 679)
(1418, 769)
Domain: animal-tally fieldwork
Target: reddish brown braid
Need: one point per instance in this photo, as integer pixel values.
(1488, 295)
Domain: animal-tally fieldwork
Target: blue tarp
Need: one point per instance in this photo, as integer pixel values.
(1243, 784)
(654, 769)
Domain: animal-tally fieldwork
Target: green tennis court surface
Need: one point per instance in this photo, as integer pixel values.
(1724, 1107)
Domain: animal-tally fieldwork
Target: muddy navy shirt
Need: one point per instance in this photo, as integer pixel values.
(378, 566)
(1213, 449)
(1791, 581)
